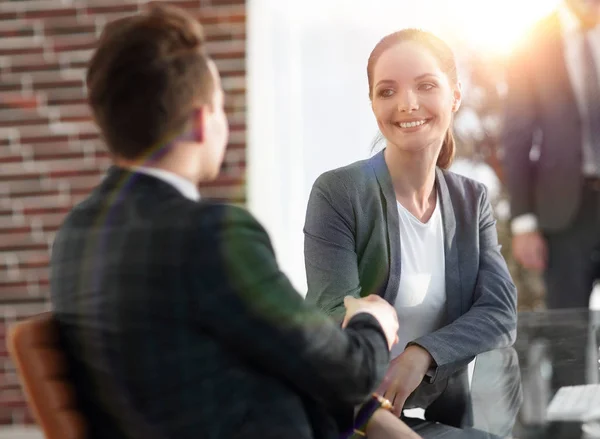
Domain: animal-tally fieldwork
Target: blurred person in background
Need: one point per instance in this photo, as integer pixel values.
(174, 314)
(551, 141)
(400, 225)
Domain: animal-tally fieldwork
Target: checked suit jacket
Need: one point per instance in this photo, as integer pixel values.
(179, 324)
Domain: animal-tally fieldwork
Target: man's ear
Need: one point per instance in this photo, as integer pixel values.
(198, 122)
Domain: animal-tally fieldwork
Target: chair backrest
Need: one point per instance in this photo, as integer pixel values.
(34, 346)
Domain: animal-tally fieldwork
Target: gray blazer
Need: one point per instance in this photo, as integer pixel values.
(352, 247)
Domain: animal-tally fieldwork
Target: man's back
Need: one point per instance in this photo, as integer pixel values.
(179, 323)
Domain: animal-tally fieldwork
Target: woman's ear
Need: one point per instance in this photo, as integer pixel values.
(457, 97)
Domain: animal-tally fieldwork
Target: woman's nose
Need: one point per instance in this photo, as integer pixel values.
(407, 102)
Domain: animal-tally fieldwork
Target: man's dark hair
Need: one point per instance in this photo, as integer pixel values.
(146, 76)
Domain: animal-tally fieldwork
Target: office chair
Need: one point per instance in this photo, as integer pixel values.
(34, 345)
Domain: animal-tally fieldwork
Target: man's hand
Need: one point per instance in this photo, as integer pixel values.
(404, 375)
(380, 309)
(530, 250)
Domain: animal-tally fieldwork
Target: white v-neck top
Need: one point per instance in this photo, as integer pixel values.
(421, 299)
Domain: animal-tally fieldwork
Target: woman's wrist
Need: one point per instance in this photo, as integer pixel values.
(423, 358)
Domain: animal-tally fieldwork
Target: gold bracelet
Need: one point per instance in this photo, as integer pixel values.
(385, 403)
(360, 433)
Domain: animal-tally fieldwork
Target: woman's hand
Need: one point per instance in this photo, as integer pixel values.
(380, 309)
(385, 425)
(404, 375)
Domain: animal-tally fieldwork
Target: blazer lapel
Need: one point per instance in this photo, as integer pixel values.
(453, 284)
(393, 225)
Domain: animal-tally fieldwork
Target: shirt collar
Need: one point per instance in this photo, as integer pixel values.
(184, 186)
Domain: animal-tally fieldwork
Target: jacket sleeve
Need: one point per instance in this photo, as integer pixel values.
(518, 133)
(491, 322)
(254, 310)
(329, 247)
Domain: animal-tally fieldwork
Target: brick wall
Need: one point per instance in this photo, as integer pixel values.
(50, 153)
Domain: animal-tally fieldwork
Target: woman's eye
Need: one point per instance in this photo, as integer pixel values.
(386, 93)
(426, 86)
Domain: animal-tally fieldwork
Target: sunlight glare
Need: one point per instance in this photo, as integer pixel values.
(495, 26)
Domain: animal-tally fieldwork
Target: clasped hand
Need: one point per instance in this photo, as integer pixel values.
(405, 374)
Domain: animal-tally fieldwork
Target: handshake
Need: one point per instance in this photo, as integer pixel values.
(380, 309)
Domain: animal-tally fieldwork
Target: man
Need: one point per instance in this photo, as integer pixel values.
(551, 138)
(176, 318)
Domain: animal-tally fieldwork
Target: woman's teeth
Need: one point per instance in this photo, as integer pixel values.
(415, 123)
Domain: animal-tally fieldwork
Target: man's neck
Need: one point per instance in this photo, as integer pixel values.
(164, 164)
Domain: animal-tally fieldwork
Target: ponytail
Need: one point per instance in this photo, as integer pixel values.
(448, 150)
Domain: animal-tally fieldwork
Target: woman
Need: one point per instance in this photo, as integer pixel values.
(402, 226)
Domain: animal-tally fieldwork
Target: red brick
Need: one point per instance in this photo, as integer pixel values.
(11, 85)
(31, 63)
(69, 26)
(76, 56)
(79, 169)
(231, 67)
(19, 241)
(21, 291)
(40, 67)
(46, 210)
(31, 50)
(82, 184)
(17, 171)
(78, 64)
(60, 12)
(19, 114)
(74, 113)
(42, 136)
(89, 136)
(74, 42)
(5, 16)
(189, 5)
(12, 398)
(9, 381)
(43, 201)
(114, 8)
(213, 15)
(227, 2)
(51, 222)
(15, 189)
(67, 96)
(39, 120)
(43, 151)
(19, 311)
(10, 157)
(35, 259)
(11, 228)
(6, 414)
(58, 84)
(16, 28)
(13, 100)
(35, 275)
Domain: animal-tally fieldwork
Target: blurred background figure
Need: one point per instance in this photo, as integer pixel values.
(551, 137)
